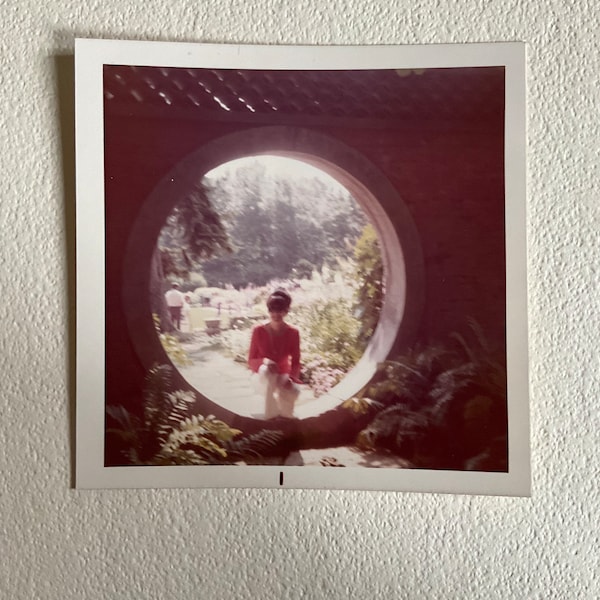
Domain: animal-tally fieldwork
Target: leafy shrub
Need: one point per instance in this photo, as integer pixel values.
(330, 331)
(165, 434)
(254, 448)
(171, 345)
(303, 269)
(197, 280)
(320, 376)
(369, 274)
(441, 407)
(236, 343)
(140, 436)
(360, 405)
(196, 440)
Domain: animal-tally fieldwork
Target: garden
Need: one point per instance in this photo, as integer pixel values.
(238, 236)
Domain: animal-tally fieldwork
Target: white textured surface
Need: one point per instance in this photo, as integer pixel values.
(60, 543)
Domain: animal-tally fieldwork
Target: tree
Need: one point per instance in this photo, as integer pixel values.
(193, 232)
(284, 239)
(303, 269)
(275, 220)
(252, 247)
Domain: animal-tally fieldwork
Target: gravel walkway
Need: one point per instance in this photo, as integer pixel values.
(227, 383)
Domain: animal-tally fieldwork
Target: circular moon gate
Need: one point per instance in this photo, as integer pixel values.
(398, 238)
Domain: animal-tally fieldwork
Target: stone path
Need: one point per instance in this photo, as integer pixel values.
(228, 384)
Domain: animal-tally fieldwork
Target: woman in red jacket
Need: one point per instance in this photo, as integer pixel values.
(275, 358)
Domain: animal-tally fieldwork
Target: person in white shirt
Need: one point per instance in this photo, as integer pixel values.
(175, 300)
(186, 313)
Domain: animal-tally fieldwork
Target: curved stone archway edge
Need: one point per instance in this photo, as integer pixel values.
(334, 428)
(399, 242)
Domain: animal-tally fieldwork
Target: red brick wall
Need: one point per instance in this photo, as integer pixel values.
(450, 176)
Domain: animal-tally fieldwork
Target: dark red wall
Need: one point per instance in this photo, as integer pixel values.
(448, 173)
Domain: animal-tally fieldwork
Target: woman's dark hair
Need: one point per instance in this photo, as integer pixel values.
(279, 301)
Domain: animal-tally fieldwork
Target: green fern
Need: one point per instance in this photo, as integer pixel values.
(197, 440)
(251, 449)
(441, 406)
(360, 405)
(165, 433)
(171, 345)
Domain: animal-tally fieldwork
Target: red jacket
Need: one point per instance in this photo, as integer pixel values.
(284, 349)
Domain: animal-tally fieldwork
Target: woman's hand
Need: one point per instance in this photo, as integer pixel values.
(271, 365)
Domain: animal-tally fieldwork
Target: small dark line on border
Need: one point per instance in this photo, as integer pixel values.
(280, 477)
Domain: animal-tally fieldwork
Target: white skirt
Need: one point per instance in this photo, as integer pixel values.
(279, 391)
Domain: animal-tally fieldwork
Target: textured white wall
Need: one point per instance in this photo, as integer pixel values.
(59, 543)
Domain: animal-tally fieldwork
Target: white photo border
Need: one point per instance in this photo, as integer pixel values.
(90, 56)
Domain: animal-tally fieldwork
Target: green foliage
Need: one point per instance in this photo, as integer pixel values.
(360, 405)
(197, 440)
(280, 227)
(329, 339)
(171, 345)
(441, 407)
(236, 343)
(165, 434)
(193, 232)
(250, 228)
(124, 434)
(141, 436)
(303, 269)
(320, 376)
(253, 448)
(196, 280)
(369, 274)
(331, 332)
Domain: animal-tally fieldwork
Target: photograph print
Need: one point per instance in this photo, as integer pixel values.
(295, 259)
